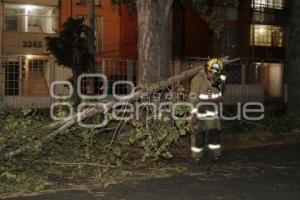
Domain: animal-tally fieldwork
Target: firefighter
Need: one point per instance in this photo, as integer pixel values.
(205, 94)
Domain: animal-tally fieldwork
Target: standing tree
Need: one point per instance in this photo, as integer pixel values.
(293, 61)
(153, 44)
(154, 48)
(71, 48)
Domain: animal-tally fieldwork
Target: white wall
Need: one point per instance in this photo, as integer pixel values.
(62, 74)
(47, 73)
(13, 43)
(275, 80)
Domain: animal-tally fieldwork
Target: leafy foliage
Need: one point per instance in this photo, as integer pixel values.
(276, 120)
(92, 154)
(202, 7)
(16, 127)
(43, 166)
(70, 48)
(205, 11)
(155, 132)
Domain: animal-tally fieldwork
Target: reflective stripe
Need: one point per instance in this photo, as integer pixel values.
(214, 146)
(213, 96)
(223, 77)
(211, 114)
(196, 149)
(194, 110)
(207, 114)
(203, 96)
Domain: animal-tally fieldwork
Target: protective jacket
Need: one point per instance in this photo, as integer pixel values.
(202, 96)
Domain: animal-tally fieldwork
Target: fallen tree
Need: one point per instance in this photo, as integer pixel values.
(59, 127)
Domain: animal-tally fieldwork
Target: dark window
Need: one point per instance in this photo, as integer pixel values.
(11, 78)
(264, 17)
(228, 13)
(229, 42)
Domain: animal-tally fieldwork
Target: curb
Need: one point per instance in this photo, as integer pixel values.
(262, 139)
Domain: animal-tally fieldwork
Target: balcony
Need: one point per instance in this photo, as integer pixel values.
(30, 18)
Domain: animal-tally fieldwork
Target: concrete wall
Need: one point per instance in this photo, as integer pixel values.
(18, 43)
(24, 43)
(197, 37)
(129, 34)
(47, 73)
(62, 74)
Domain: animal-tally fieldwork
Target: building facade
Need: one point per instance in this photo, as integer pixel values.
(26, 64)
(27, 69)
(254, 31)
(115, 27)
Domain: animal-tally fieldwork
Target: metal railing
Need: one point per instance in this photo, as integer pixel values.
(26, 81)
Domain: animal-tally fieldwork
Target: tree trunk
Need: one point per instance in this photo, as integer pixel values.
(293, 60)
(154, 42)
(76, 73)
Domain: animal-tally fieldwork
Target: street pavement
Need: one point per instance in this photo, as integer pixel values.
(257, 173)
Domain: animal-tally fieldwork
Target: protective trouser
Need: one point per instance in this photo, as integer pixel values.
(198, 142)
(214, 143)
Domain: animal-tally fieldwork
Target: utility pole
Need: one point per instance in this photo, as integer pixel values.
(92, 48)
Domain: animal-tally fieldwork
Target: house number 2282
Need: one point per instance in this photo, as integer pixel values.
(32, 44)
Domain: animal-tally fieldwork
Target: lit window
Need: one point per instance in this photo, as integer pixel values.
(30, 18)
(266, 35)
(260, 4)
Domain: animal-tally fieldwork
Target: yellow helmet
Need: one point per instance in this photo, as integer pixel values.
(215, 65)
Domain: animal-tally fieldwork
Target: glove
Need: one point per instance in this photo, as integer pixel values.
(219, 82)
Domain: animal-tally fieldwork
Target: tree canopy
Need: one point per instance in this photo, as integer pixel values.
(154, 49)
(70, 48)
